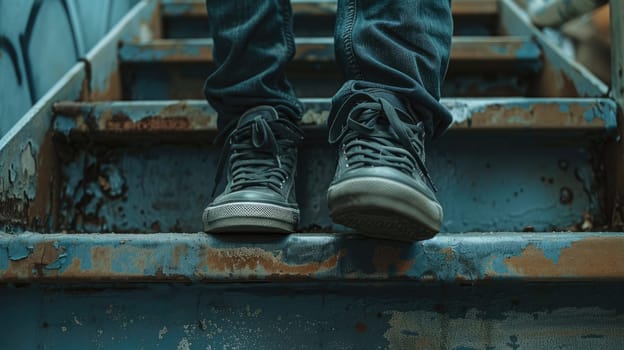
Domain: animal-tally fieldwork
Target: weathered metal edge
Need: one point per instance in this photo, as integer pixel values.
(509, 114)
(27, 157)
(516, 22)
(447, 258)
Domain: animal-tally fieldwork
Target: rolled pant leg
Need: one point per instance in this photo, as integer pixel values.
(253, 41)
(399, 46)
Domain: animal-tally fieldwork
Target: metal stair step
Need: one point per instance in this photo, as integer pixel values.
(498, 53)
(177, 69)
(172, 119)
(189, 19)
(117, 160)
(198, 8)
(466, 258)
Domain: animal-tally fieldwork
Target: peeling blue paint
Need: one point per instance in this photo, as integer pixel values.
(58, 263)
(18, 250)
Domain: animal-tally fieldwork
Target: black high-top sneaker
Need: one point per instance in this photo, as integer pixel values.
(382, 187)
(260, 158)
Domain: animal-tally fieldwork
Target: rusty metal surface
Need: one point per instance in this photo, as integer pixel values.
(553, 181)
(447, 258)
(322, 316)
(170, 117)
(188, 19)
(515, 52)
(29, 173)
(163, 81)
(537, 181)
(139, 25)
(28, 167)
(616, 156)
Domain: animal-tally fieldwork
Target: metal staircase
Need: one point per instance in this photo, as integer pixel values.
(104, 180)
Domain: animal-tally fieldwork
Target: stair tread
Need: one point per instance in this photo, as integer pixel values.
(447, 258)
(587, 114)
(514, 49)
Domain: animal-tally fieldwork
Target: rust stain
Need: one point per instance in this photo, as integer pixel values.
(46, 201)
(120, 122)
(245, 260)
(112, 90)
(449, 252)
(539, 115)
(101, 259)
(592, 257)
(177, 252)
(361, 327)
(386, 259)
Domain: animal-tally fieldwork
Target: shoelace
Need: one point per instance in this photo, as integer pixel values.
(253, 149)
(370, 131)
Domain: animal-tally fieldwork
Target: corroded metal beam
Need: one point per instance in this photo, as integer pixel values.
(149, 117)
(447, 258)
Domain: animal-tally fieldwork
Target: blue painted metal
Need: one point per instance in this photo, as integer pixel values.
(28, 168)
(188, 19)
(550, 183)
(327, 316)
(170, 117)
(33, 29)
(521, 50)
(27, 158)
(146, 166)
(176, 69)
(447, 258)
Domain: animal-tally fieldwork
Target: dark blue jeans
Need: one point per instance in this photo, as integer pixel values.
(398, 46)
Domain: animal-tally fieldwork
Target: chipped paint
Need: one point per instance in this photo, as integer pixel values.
(187, 257)
(484, 113)
(259, 262)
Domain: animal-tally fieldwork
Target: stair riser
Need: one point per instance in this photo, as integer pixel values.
(487, 183)
(311, 26)
(182, 20)
(186, 81)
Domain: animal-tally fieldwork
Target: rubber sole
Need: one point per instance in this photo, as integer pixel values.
(383, 208)
(249, 217)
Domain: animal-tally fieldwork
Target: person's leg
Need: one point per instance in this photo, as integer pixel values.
(394, 55)
(258, 112)
(253, 41)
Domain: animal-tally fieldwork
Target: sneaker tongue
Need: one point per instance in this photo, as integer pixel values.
(397, 104)
(265, 112)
